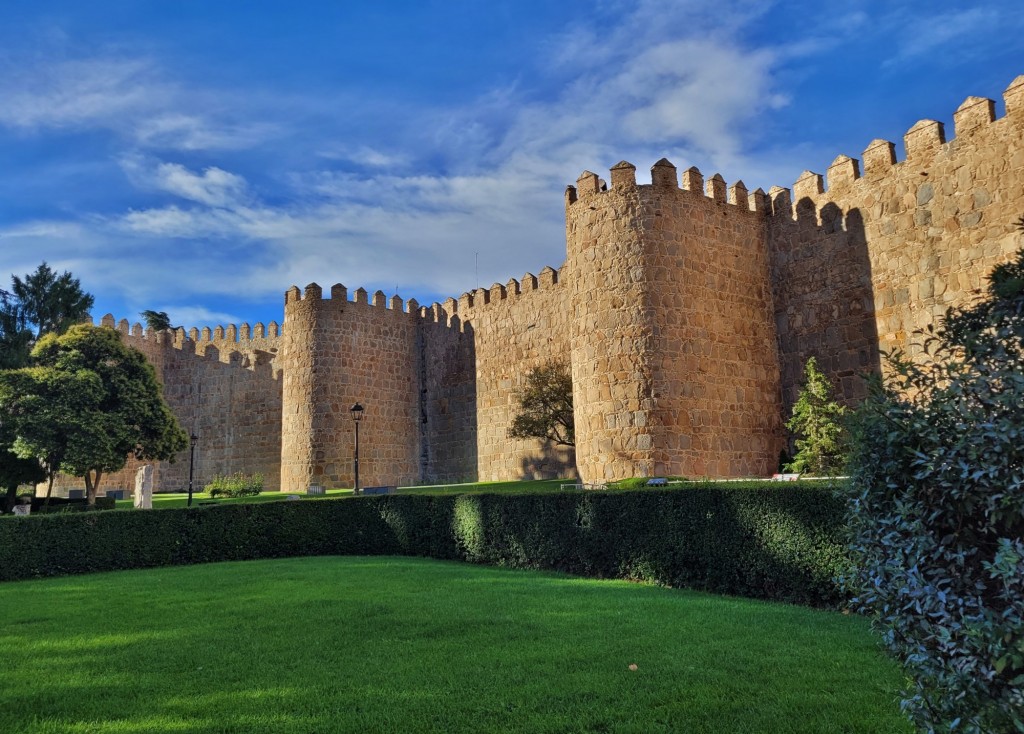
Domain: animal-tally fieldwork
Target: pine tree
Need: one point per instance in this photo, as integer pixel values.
(817, 421)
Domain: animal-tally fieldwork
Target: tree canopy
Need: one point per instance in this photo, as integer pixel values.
(50, 302)
(88, 404)
(156, 320)
(545, 406)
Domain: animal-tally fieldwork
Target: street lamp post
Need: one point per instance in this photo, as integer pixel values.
(192, 441)
(357, 415)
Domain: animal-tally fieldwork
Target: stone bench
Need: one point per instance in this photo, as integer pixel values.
(378, 490)
(316, 489)
(785, 477)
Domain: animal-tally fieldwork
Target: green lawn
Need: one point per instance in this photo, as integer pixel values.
(411, 645)
(164, 500)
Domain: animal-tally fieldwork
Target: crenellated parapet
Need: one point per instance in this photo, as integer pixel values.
(925, 146)
(338, 299)
(480, 302)
(231, 344)
(664, 177)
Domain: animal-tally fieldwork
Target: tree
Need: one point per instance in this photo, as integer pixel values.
(545, 405)
(15, 471)
(100, 400)
(51, 302)
(937, 514)
(156, 320)
(48, 415)
(817, 421)
(15, 336)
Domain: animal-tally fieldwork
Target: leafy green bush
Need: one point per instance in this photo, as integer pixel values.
(937, 514)
(778, 542)
(235, 485)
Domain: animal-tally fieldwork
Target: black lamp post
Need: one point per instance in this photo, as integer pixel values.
(192, 441)
(357, 415)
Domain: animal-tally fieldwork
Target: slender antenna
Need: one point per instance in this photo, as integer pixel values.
(477, 270)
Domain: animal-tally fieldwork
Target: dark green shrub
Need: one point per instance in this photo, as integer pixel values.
(776, 542)
(235, 485)
(937, 514)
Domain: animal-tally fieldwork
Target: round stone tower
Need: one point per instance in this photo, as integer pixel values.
(301, 389)
(674, 356)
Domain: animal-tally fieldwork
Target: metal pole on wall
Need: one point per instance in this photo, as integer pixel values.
(357, 415)
(192, 440)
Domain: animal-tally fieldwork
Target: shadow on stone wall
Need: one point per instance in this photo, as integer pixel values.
(549, 462)
(824, 300)
(448, 403)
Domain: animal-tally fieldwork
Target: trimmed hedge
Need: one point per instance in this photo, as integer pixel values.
(780, 542)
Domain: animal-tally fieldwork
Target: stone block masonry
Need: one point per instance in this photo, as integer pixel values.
(686, 308)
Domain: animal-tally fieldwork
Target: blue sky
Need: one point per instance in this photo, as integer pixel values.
(201, 157)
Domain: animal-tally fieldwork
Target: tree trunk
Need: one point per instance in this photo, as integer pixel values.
(50, 476)
(92, 483)
(12, 494)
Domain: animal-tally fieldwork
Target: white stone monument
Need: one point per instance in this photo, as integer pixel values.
(143, 497)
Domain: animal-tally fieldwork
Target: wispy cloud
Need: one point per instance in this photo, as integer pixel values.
(130, 96)
(956, 32)
(482, 177)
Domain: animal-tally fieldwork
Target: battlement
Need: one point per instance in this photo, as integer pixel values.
(473, 304)
(925, 144)
(664, 176)
(338, 298)
(224, 344)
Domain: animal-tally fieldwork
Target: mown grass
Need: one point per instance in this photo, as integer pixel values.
(412, 645)
(165, 500)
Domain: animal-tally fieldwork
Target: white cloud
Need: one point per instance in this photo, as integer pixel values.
(197, 316)
(130, 96)
(365, 155)
(673, 82)
(213, 187)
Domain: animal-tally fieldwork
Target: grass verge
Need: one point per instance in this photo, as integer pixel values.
(411, 645)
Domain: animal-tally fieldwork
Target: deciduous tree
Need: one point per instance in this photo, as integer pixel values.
(545, 406)
(101, 400)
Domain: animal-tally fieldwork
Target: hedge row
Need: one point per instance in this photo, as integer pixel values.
(781, 543)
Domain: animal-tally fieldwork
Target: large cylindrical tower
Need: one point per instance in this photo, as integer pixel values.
(337, 353)
(611, 328)
(674, 356)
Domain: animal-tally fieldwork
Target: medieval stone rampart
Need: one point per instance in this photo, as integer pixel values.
(687, 311)
(516, 327)
(882, 252)
(223, 385)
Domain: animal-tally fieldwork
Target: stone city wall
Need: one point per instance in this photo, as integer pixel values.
(336, 353)
(516, 327)
(881, 253)
(687, 313)
(225, 386)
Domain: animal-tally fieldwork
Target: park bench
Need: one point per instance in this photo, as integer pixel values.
(379, 490)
